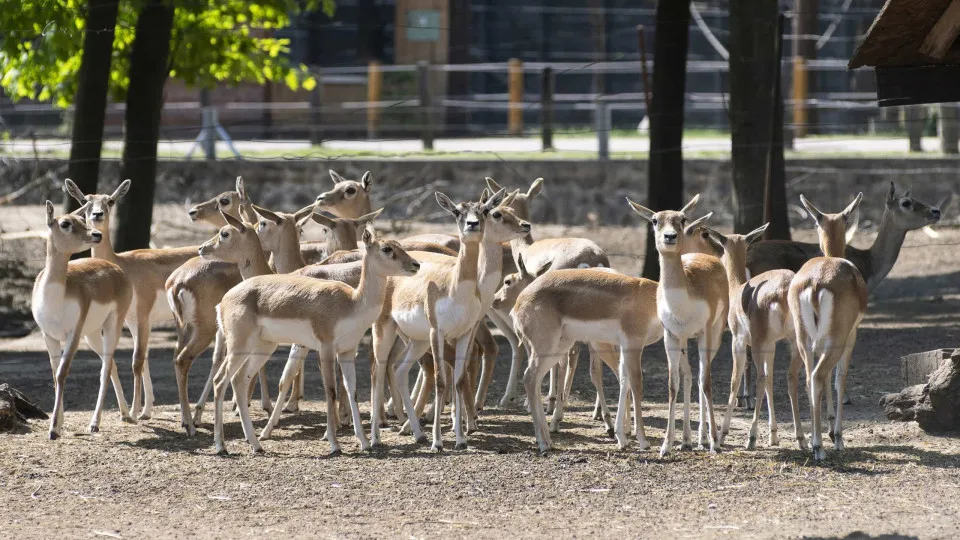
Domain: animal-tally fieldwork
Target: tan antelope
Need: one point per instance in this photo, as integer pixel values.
(327, 316)
(692, 303)
(902, 213)
(759, 317)
(593, 306)
(148, 270)
(342, 235)
(348, 198)
(459, 309)
(502, 225)
(88, 299)
(236, 203)
(828, 298)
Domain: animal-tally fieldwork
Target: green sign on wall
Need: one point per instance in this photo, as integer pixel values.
(423, 25)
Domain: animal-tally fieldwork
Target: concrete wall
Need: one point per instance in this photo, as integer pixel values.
(573, 190)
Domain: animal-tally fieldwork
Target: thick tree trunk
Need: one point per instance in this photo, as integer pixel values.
(665, 191)
(90, 103)
(753, 27)
(149, 68)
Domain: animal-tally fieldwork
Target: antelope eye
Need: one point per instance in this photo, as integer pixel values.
(111, 202)
(905, 203)
(351, 191)
(507, 282)
(706, 236)
(64, 225)
(654, 221)
(683, 221)
(224, 235)
(263, 224)
(496, 215)
(224, 202)
(387, 249)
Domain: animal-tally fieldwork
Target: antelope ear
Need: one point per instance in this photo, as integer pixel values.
(644, 212)
(366, 181)
(522, 268)
(122, 190)
(241, 191)
(496, 199)
(263, 212)
(686, 210)
(510, 198)
(852, 227)
(756, 234)
(367, 237)
(447, 204)
(50, 213)
(484, 195)
(544, 268)
(849, 211)
(335, 177)
(535, 188)
(74, 191)
(492, 184)
(301, 215)
(323, 220)
(715, 236)
(892, 194)
(816, 214)
(696, 223)
(233, 222)
(367, 218)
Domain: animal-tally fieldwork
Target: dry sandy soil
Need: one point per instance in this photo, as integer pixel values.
(892, 481)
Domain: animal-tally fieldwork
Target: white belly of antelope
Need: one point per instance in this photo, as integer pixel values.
(601, 330)
(455, 315)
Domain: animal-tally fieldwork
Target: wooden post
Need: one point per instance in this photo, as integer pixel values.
(426, 114)
(601, 118)
(316, 111)
(374, 88)
(546, 108)
(208, 125)
(266, 114)
(643, 68)
(914, 118)
(515, 89)
(775, 104)
(948, 128)
(799, 97)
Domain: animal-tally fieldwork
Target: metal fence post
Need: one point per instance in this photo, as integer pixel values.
(601, 118)
(426, 115)
(208, 125)
(316, 114)
(546, 108)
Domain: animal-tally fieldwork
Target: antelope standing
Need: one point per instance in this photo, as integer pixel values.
(759, 317)
(327, 316)
(86, 298)
(692, 303)
(901, 214)
(458, 309)
(828, 298)
(148, 270)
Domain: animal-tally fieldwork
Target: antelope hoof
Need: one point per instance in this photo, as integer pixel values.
(838, 443)
(223, 452)
(258, 451)
(819, 454)
(686, 447)
(422, 439)
(437, 447)
(54, 435)
(664, 450)
(127, 419)
(751, 443)
(644, 445)
(802, 443)
(336, 452)
(460, 446)
(94, 429)
(847, 400)
(611, 432)
(774, 439)
(144, 416)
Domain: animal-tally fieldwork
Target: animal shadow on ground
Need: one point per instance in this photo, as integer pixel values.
(857, 535)
(852, 460)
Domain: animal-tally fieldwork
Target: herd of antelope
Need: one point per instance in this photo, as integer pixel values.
(255, 286)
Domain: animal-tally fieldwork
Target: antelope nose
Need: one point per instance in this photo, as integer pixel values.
(525, 226)
(671, 236)
(192, 212)
(97, 215)
(473, 224)
(935, 212)
(416, 265)
(96, 235)
(321, 197)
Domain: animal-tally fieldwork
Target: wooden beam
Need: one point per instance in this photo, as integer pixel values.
(917, 85)
(944, 33)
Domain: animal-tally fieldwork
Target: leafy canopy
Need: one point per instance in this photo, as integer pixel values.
(213, 41)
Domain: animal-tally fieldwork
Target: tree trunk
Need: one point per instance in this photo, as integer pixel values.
(90, 104)
(665, 164)
(753, 26)
(149, 68)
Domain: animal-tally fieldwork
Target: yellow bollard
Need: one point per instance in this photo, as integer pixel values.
(374, 88)
(799, 96)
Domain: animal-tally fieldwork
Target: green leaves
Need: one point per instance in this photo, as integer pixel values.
(228, 41)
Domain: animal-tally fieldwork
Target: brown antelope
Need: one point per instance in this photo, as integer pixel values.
(459, 310)
(901, 214)
(86, 298)
(594, 306)
(692, 303)
(759, 317)
(342, 235)
(236, 203)
(327, 316)
(348, 198)
(148, 270)
(827, 298)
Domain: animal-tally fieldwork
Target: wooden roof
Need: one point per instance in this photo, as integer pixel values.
(897, 35)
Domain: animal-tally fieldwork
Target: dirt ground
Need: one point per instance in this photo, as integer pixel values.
(143, 480)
